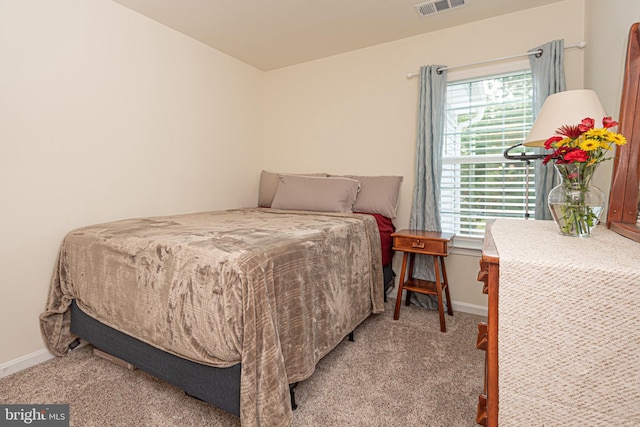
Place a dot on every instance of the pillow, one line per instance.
(378, 194)
(268, 185)
(306, 193)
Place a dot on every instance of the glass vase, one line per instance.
(575, 204)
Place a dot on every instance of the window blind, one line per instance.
(485, 116)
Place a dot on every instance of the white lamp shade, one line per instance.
(564, 108)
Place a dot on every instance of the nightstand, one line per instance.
(436, 244)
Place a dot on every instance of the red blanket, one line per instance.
(386, 227)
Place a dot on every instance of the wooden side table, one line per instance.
(436, 244)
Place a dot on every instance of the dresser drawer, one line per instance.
(422, 246)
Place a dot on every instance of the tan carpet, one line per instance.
(396, 373)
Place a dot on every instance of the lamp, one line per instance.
(562, 108)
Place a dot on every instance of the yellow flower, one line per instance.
(596, 133)
(617, 138)
(583, 143)
(589, 144)
(606, 145)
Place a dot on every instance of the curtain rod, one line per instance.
(537, 53)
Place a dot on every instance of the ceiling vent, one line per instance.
(437, 6)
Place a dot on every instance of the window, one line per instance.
(485, 116)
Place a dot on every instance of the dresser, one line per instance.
(562, 337)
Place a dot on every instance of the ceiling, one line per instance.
(270, 34)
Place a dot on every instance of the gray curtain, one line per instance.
(425, 213)
(547, 71)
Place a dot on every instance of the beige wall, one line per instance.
(608, 25)
(356, 112)
(105, 115)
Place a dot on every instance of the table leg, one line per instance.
(446, 287)
(411, 263)
(396, 313)
(443, 326)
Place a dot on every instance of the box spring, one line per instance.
(219, 387)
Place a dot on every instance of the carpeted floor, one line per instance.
(396, 373)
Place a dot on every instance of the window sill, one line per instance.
(469, 246)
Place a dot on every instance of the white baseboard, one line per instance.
(37, 357)
(33, 359)
(24, 362)
(465, 307)
(470, 308)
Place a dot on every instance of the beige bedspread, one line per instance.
(274, 290)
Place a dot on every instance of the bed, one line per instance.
(232, 306)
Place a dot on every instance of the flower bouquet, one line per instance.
(575, 204)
